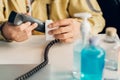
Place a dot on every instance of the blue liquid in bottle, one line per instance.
(92, 62)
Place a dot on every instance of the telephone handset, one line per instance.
(18, 19)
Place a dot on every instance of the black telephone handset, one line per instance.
(17, 19)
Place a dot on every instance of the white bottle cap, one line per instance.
(85, 27)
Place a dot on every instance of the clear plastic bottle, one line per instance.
(80, 43)
(111, 45)
(92, 61)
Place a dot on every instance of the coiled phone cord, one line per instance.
(40, 66)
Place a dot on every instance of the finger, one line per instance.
(32, 27)
(24, 26)
(64, 22)
(63, 36)
(69, 40)
(61, 30)
(29, 34)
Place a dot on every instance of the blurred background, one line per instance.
(111, 13)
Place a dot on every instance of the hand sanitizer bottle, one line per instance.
(92, 61)
(78, 45)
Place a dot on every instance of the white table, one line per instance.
(29, 53)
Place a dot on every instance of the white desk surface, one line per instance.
(18, 57)
(31, 52)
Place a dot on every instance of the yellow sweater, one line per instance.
(59, 9)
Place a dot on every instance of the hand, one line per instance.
(18, 33)
(68, 31)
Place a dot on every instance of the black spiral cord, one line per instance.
(40, 66)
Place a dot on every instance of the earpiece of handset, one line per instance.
(17, 19)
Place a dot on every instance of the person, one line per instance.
(61, 12)
(111, 13)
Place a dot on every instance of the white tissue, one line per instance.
(48, 36)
